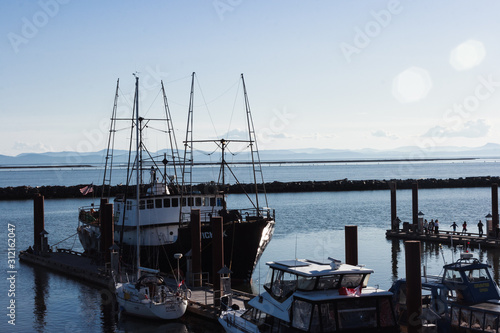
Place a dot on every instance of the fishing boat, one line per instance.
(166, 199)
(148, 295)
(308, 296)
(464, 299)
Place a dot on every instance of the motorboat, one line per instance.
(309, 296)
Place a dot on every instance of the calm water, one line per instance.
(308, 225)
(283, 173)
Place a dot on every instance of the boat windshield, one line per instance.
(477, 275)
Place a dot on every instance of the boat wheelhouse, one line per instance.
(464, 297)
(310, 296)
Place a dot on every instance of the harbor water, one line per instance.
(308, 225)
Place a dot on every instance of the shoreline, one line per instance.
(368, 160)
(64, 192)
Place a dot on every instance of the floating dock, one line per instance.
(83, 268)
(447, 237)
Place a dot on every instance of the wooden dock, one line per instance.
(447, 237)
(83, 268)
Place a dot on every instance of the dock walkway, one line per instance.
(447, 237)
(83, 268)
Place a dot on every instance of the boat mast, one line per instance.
(173, 141)
(109, 152)
(188, 152)
(256, 165)
(138, 163)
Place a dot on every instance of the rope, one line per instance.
(65, 239)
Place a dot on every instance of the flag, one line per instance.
(350, 291)
(87, 189)
(180, 284)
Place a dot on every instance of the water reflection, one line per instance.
(131, 324)
(41, 283)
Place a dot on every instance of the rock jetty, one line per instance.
(53, 192)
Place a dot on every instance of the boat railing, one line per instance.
(246, 214)
(471, 317)
(89, 215)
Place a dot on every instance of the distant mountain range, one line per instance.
(490, 150)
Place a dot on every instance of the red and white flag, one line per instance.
(87, 189)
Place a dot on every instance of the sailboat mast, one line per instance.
(138, 174)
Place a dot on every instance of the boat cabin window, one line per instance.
(351, 280)
(452, 276)
(212, 202)
(306, 283)
(354, 313)
(158, 203)
(150, 204)
(301, 315)
(175, 202)
(357, 313)
(280, 284)
(129, 205)
(142, 204)
(329, 282)
(476, 275)
(198, 201)
(166, 202)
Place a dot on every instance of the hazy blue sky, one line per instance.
(326, 74)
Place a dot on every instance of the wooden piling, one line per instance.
(196, 247)
(351, 244)
(107, 230)
(414, 196)
(217, 256)
(494, 207)
(394, 215)
(38, 221)
(413, 286)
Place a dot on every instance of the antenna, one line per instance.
(296, 247)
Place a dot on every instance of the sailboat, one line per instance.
(165, 203)
(148, 296)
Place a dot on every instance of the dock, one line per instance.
(83, 268)
(447, 237)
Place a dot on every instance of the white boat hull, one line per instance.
(173, 307)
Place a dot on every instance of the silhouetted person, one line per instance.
(480, 228)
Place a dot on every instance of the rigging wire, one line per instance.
(206, 106)
(234, 107)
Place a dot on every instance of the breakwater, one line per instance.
(54, 192)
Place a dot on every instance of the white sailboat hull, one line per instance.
(133, 303)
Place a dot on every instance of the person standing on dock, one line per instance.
(464, 228)
(436, 227)
(454, 226)
(426, 225)
(480, 228)
(431, 226)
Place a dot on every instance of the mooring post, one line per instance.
(494, 207)
(196, 247)
(217, 256)
(38, 221)
(414, 197)
(394, 215)
(107, 230)
(351, 244)
(413, 286)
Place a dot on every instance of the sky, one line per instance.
(319, 74)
